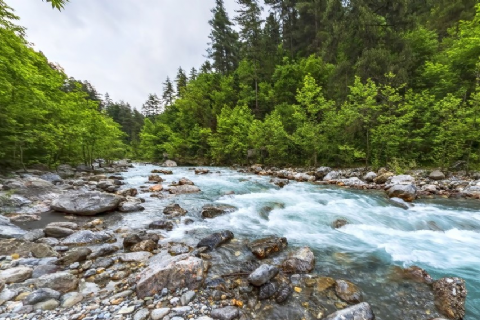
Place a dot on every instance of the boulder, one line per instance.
(33, 235)
(131, 192)
(301, 177)
(46, 305)
(351, 182)
(267, 290)
(225, 313)
(169, 163)
(347, 291)
(437, 175)
(102, 251)
(300, 261)
(61, 281)
(26, 248)
(201, 171)
(332, 175)
(42, 270)
(398, 202)
(370, 176)
(216, 239)
(183, 189)
(41, 295)
(339, 223)
(450, 295)
(144, 246)
(86, 204)
(51, 177)
(131, 205)
(321, 172)
(403, 179)
(174, 210)
(76, 255)
(262, 274)
(155, 178)
(65, 171)
(382, 178)
(156, 188)
(361, 311)
(88, 237)
(161, 224)
(70, 299)
(212, 211)
(139, 256)
(33, 188)
(183, 271)
(185, 181)
(262, 248)
(15, 275)
(405, 192)
(9, 230)
(60, 229)
(280, 182)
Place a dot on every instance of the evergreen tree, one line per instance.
(152, 106)
(181, 82)
(193, 74)
(223, 50)
(168, 95)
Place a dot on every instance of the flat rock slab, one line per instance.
(87, 237)
(183, 189)
(25, 248)
(61, 281)
(15, 275)
(183, 271)
(86, 204)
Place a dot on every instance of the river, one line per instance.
(442, 236)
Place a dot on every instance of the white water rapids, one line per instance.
(442, 236)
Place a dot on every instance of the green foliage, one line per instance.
(45, 116)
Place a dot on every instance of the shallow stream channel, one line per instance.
(441, 236)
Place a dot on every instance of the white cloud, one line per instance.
(124, 47)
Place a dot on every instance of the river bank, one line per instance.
(121, 257)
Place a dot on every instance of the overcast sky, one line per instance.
(124, 47)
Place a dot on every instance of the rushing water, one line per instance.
(442, 236)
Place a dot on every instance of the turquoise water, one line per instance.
(441, 236)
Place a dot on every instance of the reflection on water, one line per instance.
(441, 236)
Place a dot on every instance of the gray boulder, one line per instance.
(41, 295)
(51, 177)
(436, 175)
(65, 171)
(182, 189)
(88, 237)
(171, 272)
(332, 175)
(86, 204)
(405, 192)
(15, 275)
(61, 281)
(370, 176)
(174, 210)
(9, 230)
(403, 179)
(398, 202)
(226, 313)
(262, 274)
(300, 261)
(60, 229)
(169, 163)
(361, 311)
(321, 172)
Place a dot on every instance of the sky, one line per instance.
(124, 47)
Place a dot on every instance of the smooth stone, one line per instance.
(33, 235)
(15, 275)
(226, 313)
(214, 240)
(158, 314)
(187, 297)
(262, 248)
(70, 299)
(41, 295)
(361, 311)
(126, 310)
(46, 305)
(262, 274)
(76, 255)
(87, 237)
(62, 281)
(141, 314)
(86, 203)
(44, 270)
(180, 311)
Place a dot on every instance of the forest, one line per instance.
(286, 82)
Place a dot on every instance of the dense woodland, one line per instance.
(287, 82)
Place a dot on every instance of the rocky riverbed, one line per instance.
(159, 243)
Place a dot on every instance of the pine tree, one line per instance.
(181, 82)
(152, 106)
(168, 95)
(193, 74)
(223, 48)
